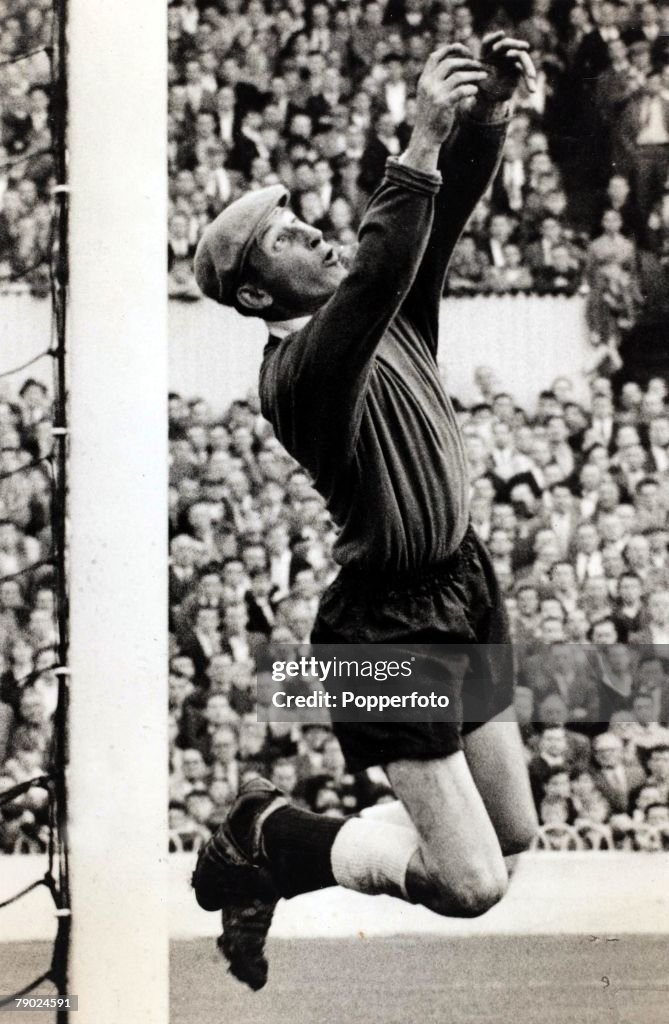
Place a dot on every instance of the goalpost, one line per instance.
(117, 341)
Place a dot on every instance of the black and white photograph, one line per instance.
(334, 511)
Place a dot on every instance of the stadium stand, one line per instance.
(26, 163)
(573, 505)
(317, 95)
(571, 498)
(577, 527)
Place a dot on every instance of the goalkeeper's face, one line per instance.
(291, 270)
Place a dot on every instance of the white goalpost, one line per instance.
(117, 342)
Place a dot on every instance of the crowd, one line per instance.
(26, 163)
(317, 95)
(571, 498)
(572, 501)
(28, 633)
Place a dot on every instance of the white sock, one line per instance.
(373, 856)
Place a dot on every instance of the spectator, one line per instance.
(645, 127)
(657, 769)
(469, 267)
(614, 779)
(609, 248)
(381, 145)
(564, 676)
(551, 757)
(511, 276)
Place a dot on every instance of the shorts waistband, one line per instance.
(370, 578)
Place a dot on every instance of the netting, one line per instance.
(53, 781)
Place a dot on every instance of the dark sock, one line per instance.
(298, 845)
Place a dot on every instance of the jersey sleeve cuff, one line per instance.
(427, 182)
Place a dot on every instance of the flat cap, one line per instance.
(225, 243)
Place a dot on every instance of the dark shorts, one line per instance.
(456, 602)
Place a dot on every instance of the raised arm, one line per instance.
(468, 162)
(328, 363)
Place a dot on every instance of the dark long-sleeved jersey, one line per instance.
(355, 395)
